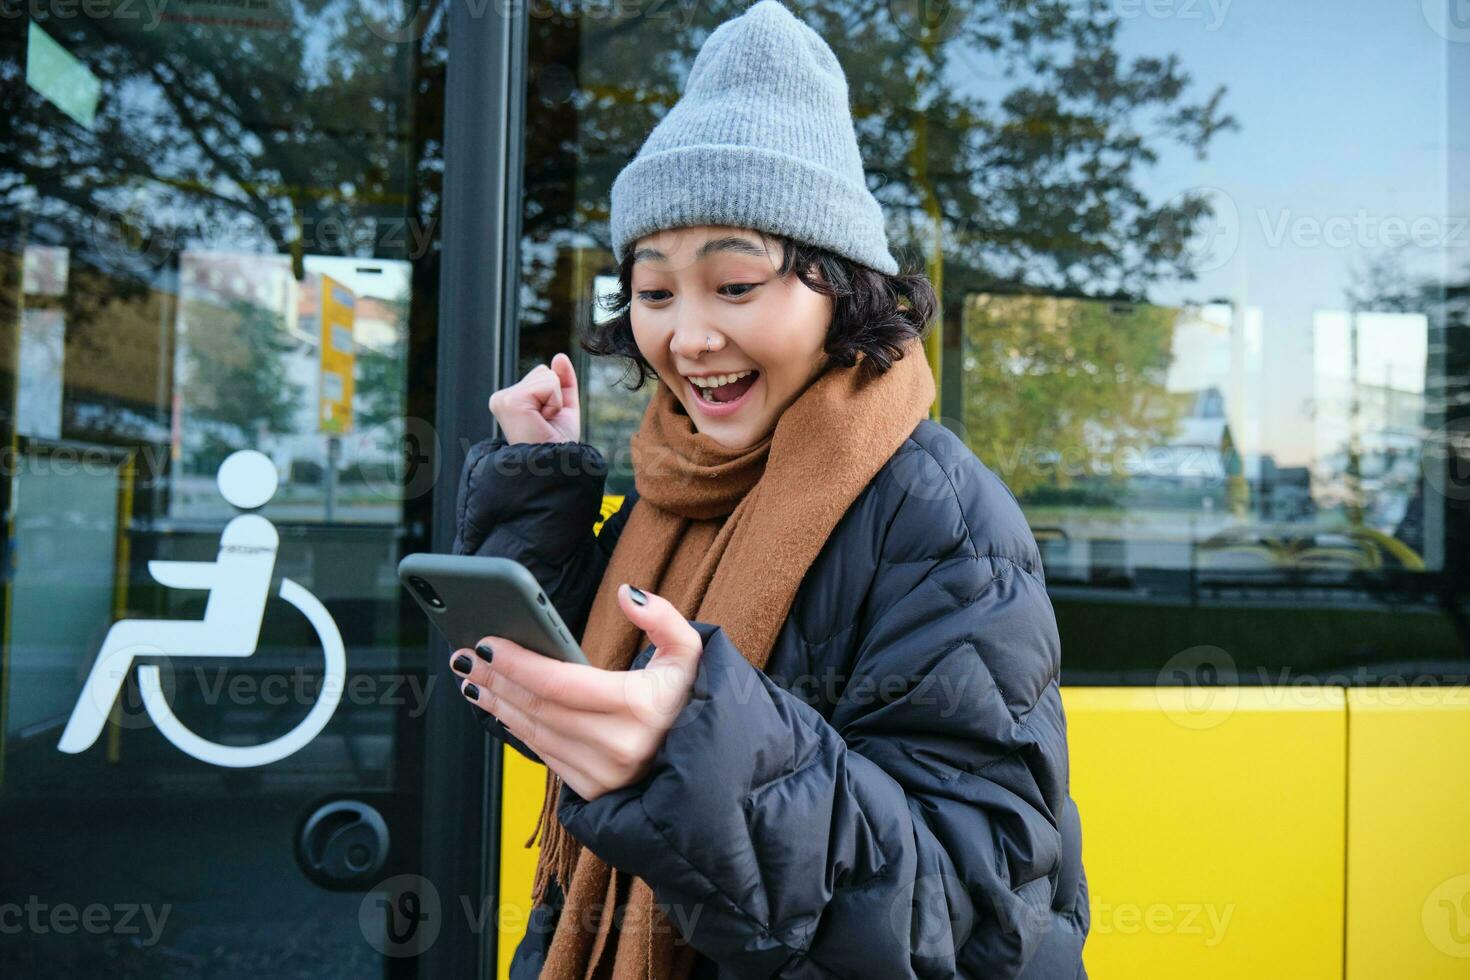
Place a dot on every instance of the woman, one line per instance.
(821, 735)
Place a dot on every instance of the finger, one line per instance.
(553, 750)
(567, 375)
(575, 723)
(545, 387)
(670, 632)
(469, 667)
(579, 686)
(529, 729)
(659, 690)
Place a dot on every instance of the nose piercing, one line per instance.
(707, 342)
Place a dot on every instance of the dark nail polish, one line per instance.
(462, 664)
(471, 691)
(483, 649)
(636, 594)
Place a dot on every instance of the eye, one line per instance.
(749, 287)
(653, 295)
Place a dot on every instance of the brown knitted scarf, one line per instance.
(727, 536)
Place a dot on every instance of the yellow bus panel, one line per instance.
(1408, 867)
(1212, 825)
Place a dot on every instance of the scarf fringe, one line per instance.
(559, 849)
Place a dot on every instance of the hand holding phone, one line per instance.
(599, 730)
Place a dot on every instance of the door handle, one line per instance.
(343, 844)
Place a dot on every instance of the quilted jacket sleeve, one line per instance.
(911, 832)
(537, 503)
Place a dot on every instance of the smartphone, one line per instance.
(468, 597)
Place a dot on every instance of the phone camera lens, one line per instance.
(427, 591)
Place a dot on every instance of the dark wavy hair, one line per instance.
(874, 313)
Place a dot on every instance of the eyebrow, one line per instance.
(729, 243)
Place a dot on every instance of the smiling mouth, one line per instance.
(727, 392)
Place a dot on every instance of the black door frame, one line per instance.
(477, 354)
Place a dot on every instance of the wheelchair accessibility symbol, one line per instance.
(238, 582)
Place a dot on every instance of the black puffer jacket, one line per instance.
(890, 799)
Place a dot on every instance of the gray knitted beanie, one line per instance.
(762, 138)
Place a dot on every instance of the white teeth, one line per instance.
(715, 381)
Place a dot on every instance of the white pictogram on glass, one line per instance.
(238, 582)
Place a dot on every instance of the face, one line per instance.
(716, 286)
